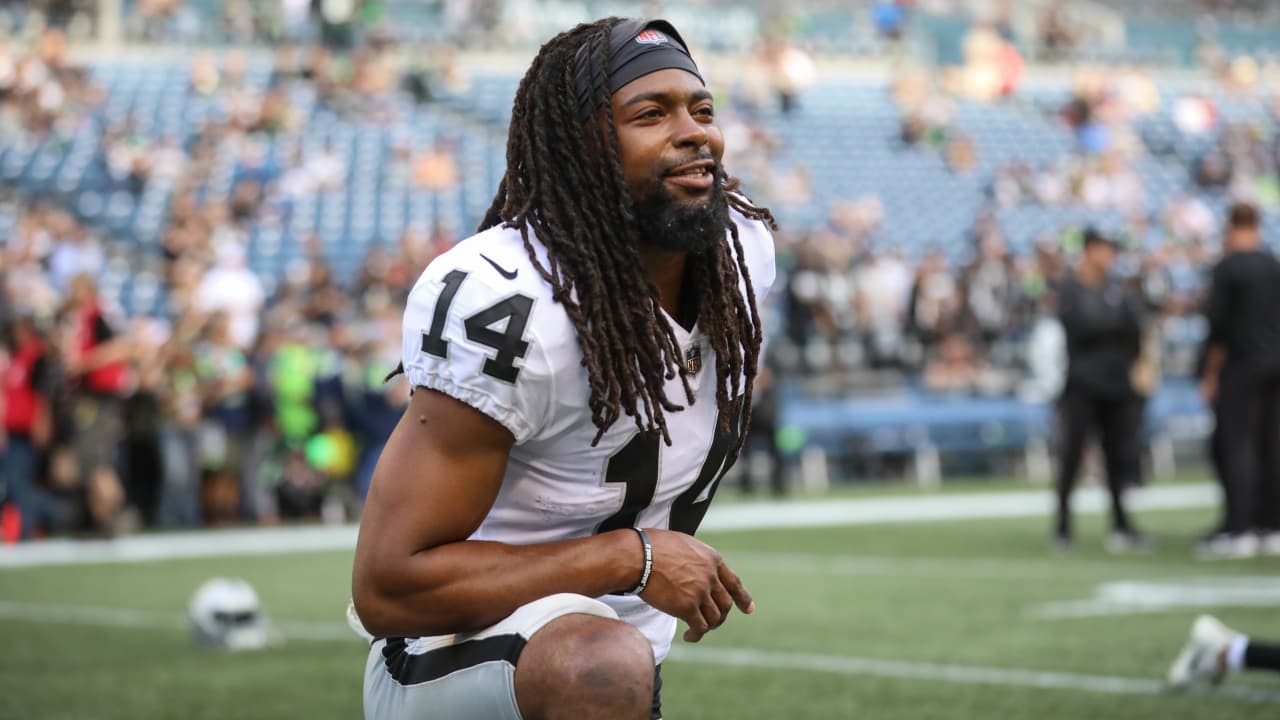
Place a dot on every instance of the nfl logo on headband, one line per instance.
(651, 37)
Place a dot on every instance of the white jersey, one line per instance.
(482, 327)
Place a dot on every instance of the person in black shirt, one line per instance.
(1242, 378)
(1103, 324)
(1218, 535)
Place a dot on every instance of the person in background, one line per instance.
(1103, 325)
(225, 380)
(98, 359)
(230, 287)
(379, 406)
(955, 368)
(762, 434)
(142, 463)
(1046, 352)
(1241, 376)
(179, 504)
(27, 425)
(1217, 535)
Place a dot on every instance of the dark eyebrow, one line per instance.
(666, 98)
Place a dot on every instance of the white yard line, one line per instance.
(45, 613)
(180, 545)
(703, 655)
(937, 672)
(749, 516)
(936, 508)
(92, 616)
(1179, 594)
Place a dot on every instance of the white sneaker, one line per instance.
(1229, 547)
(1204, 655)
(1271, 543)
(1247, 545)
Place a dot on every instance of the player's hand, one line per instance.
(692, 582)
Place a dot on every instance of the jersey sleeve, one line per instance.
(476, 343)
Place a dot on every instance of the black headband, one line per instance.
(636, 48)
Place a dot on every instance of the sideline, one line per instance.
(735, 517)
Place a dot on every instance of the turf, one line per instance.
(957, 593)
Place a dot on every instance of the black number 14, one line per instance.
(637, 465)
(509, 342)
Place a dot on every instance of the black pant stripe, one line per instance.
(656, 712)
(410, 669)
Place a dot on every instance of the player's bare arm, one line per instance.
(417, 574)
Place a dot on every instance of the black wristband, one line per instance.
(648, 562)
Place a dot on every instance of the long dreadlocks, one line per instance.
(564, 181)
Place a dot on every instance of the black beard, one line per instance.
(668, 224)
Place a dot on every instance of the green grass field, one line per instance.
(930, 620)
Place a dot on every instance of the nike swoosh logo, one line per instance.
(508, 274)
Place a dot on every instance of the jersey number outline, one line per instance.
(638, 465)
(509, 342)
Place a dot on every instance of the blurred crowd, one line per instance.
(335, 24)
(238, 406)
(241, 401)
(980, 317)
(984, 324)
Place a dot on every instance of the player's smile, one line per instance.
(696, 176)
